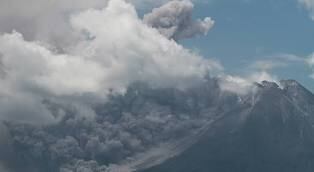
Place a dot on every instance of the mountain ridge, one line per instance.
(277, 132)
(168, 129)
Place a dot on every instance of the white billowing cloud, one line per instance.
(33, 65)
(118, 49)
(174, 20)
(311, 60)
(309, 5)
(44, 20)
(33, 73)
(130, 50)
(243, 85)
(47, 20)
(148, 4)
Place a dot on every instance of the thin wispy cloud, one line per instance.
(309, 5)
(280, 60)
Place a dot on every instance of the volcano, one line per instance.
(270, 130)
(199, 129)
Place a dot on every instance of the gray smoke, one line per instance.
(174, 20)
(107, 58)
(72, 110)
(123, 127)
(81, 109)
(48, 21)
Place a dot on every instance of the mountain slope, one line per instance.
(198, 129)
(123, 130)
(273, 134)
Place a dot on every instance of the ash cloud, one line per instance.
(108, 59)
(48, 21)
(64, 108)
(174, 20)
(105, 88)
(126, 125)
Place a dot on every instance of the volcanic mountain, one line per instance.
(271, 130)
(198, 129)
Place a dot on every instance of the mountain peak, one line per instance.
(269, 84)
(295, 89)
(273, 134)
(290, 83)
(266, 84)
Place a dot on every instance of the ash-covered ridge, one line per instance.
(275, 133)
(166, 129)
(125, 126)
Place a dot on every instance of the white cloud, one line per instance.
(133, 51)
(154, 3)
(260, 70)
(43, 19)
(148, 3)
(309, 5)
(274, 61)
(244, 85)
(266, 65)
(310, 62)
(47, 20)
(118, 49)
(29, 63)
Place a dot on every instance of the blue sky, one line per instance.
(247, 31)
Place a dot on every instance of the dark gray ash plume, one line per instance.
(174, 20)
